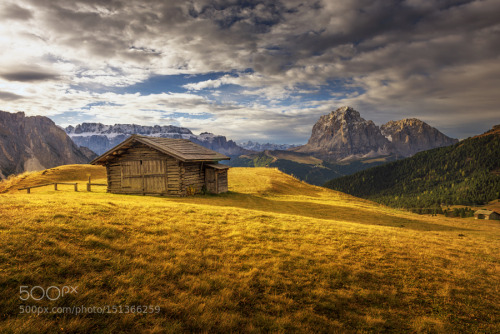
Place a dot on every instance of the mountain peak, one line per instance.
(411, 135)
(346, 112)
(345, 134)
(407, 122)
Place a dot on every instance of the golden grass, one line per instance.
(273, 254)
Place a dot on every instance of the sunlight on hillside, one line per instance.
(273, 254)
(66, 173)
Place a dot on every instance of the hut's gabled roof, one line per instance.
(483, 212)
(182, 149)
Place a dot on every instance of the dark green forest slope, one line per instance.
(467, 173)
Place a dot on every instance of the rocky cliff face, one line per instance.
(411, 135)
(35, 143)
(100, 138)
(344, 134)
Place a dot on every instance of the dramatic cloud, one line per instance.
(5, 96)
(28, 76)
(14, 12)
(255, 70)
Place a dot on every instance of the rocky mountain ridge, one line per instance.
(409, 136)
(35, 143)
(260, 147)
(100, 137)
(345, 135)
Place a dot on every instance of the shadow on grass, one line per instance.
(315, 210)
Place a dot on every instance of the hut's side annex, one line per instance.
(163, 166)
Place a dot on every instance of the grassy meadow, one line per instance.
(272, 255)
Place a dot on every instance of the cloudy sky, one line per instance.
(260, 70)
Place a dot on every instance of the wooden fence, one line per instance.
(89, 185)
(28, 189)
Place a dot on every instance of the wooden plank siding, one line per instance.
(173, 177)
(222, 181)
(210, 180)
(194, 175)
(141, 169)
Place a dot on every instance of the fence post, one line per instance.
(55, 186)
(28, 190)
(89, 186)
(76, 186)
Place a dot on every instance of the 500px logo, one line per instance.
(51, 293)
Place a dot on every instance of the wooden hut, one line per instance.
(163, 166)
(487, 214)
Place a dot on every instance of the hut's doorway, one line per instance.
(145, 176)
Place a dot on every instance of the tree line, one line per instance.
(467, 173)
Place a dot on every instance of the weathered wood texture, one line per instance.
(222, 181)
(144, 170)
(210, 180)
(216, 180)
(193, 176)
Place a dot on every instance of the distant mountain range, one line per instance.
(258, 147)
(341, 143)
(100, 138)
(467, 173)
(345, 135)
(35, 143)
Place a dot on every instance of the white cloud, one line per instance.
(226, 79)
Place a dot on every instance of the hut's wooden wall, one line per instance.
(114, 177)
(193, 175)
(143, 170)
(173, 177)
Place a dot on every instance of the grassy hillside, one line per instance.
(467, 173)
(273, 254)
(305, 167)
